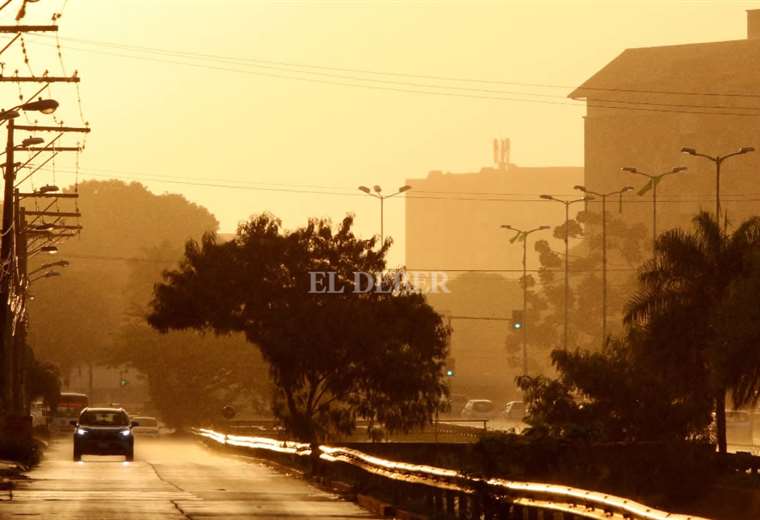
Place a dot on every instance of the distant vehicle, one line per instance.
(457, 402)
(739, 427)
(70, 405)
(514, 411)
(479, 409)
(148, 426)
(39, 413)
(104, 431)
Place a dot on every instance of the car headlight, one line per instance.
(126, 433)
(81, 431)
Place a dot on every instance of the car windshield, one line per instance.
(482, 406)
(146, 421)
(103, 418)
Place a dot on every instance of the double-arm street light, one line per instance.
(718, 161)
(567, 204)
(522, 235)
(378, 194)
(604, 196)
(654, 180)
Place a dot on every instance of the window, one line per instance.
(104, 418)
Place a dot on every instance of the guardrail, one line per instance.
(450, 493)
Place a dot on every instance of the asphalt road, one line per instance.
(169, 479)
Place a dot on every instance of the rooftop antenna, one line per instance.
(501, 153)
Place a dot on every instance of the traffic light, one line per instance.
(123, 381)
(450, 367)
(517, 320)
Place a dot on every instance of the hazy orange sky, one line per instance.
(239, 117)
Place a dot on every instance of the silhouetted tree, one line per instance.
(190, 376)
(43, 381)
(545, 318)
(74, 317)
(685, 308)
(333, 357)
(619, 393)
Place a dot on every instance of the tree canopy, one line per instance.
(333, 358)
(73, 317)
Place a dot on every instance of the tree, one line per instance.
(190, 376)
(619, 393)
(73, 317)
(546, 290)
(43, 380)
(684, 310)
(333, 357)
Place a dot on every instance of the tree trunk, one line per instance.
(89, 377)
(720, 421)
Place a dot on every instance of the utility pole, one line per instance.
(522, 235)
(6, 269)
(21, 405)
(604, 196)
(11, 364)
(567, 204)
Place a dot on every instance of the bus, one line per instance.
(69, 407)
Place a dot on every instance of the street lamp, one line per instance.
(718, 160)
(604, 196)
(378, 194)
(49, 274)
(51, 250)
(567, 204)
(522, 235)
(61, 263)
(654, 180)
(31, 141)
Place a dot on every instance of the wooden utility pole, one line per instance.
(16, 424)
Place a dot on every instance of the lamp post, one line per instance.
(378, 194)
(522, 235)
(567, 204)
(654, 180)
(604, 196)
(718, 161)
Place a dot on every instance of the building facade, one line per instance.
(649, 103)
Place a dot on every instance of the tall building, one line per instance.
(649, 103)
(453, 224)
(453, 219)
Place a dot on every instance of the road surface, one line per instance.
(169, 479)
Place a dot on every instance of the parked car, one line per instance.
(103, 431)
(148, 426)
(514, 411)
(479, 409)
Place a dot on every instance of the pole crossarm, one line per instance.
(51, 149)
(44, 128)
(27, 28)
(54, 213)
(39, 79)
(49, 196)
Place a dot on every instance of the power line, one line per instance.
(232, 59)
(488, 197)
(444, 90)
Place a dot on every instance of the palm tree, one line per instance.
(683, 309)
